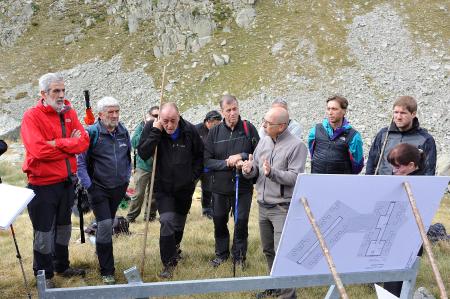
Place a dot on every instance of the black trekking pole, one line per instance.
(80, 212)
(27, 288)
(236, 206)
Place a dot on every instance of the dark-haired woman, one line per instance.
(406, 159)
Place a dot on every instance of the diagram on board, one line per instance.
(379, 228)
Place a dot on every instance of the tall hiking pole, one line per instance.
(236, 206)
(383, 147)
(152, 181)
(27, 287)
(426, 242)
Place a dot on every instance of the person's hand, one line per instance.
(266, 167)
(52, 143)
(247, 165)
(157, 124)
(75, 134)
(233, 160)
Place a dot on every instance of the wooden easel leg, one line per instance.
(339, 285)
(426, 243)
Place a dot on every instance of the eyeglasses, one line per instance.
(154, 115)
(266, 122)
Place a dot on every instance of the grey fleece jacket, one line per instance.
(287, 157)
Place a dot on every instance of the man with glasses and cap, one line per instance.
(212, 119)
(335, 146)
(142, 174)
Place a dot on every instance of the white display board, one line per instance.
(13, 200)
(367, 223)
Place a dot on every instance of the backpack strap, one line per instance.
(246, 128)
(94, 132)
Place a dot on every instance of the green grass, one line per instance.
(198, 249)
(12, 174)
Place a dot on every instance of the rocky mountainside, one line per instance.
(370, 52)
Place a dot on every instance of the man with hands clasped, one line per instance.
(228, 144)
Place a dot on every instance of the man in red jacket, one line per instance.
(52, 135)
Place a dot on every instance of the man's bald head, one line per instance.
(281, 114)
(276, 121)
(170, 106)
(169, 116)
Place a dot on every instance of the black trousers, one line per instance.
(50, 212)
(206, 193)
(173, 208)
(104, 205)
(222, 204)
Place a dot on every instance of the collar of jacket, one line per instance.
(393, 127)
(238, 124)
(282, 136)
(49, 109)
(334, 134)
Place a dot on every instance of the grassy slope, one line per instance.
(252, 67)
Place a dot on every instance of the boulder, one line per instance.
(218, 60)
(245, 17)
(423, 293)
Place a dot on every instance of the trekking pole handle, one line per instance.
(87, 99)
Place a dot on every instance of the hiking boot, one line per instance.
(217, 261)
(167, 272)
(150, 219)
(49, 283)
(108, 279)
(267, 293)
(70, 272)
(178, 255)
(242, 263)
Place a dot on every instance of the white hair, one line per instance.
(107, 102)
(47, 79)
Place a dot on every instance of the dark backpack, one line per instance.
(437, 232)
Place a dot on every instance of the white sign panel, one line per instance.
(13, 200)
(367, 223)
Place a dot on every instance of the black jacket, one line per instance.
(179, 162)
(416, 136)
(202, 131)
(223, 142)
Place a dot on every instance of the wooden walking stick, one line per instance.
(383, 147)
(331, 266)
(426, 243)
(152, 181)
